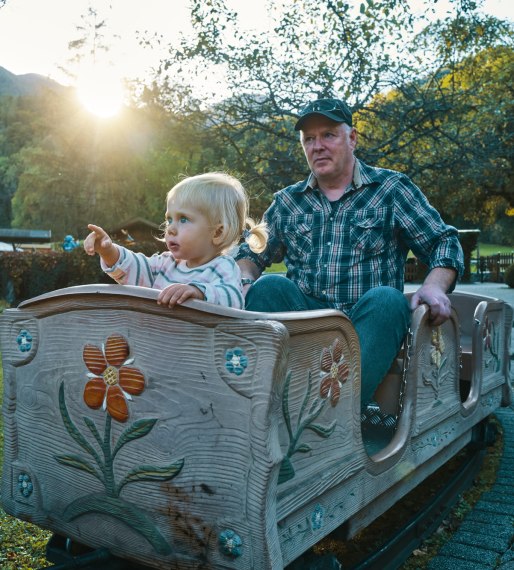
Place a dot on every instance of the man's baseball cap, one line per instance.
(334, 109)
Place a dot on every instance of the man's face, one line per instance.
(328, 147)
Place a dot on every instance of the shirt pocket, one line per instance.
(368, 230)
(298, 235)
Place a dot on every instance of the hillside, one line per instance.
(27, 84)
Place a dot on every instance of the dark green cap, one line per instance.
(334, 109)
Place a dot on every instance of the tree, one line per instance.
(326, 48)
(90, 170)
(452, 131)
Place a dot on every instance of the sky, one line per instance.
(34, 34)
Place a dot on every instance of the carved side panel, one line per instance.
(494, 352)
(148, 435)
(436, 366)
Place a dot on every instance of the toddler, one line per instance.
(206, 215)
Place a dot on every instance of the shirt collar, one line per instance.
(357, 180)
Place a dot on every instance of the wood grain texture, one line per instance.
(233, 455)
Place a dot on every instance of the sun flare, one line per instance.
(100, 91)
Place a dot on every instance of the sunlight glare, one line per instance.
(100, 91)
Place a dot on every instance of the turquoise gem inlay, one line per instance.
(25, 484)
(236, 360)
(317, 517)
(24, 340)
(230, 543)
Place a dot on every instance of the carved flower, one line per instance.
(317, 517)
(112, 381)
(336, 372)
(25, 485)
(230, 543)
(236, 360)
(488, 339)
(24, 340)
(437, 342)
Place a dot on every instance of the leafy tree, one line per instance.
(452, 131)
(89, 170)
(326, 48)
(21, 123)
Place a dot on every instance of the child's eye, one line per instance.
(183, 219)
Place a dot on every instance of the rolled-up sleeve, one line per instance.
(423, 230)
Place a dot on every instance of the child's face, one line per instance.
(189, 236)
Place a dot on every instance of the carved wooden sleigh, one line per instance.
(206, 437)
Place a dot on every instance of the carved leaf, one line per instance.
(92, 427)
(152, 473)
(138, 429)
(323, 431)
(77, 463)
(286, 471)
(285, 405)
(71, 428)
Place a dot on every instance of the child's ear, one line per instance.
(217, 234)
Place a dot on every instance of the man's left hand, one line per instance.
(433, 293)
(437, 301)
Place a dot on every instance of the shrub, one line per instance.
(24, 275)
(509, 275)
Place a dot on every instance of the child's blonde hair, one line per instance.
(222, 199)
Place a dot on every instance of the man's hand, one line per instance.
(177, 293)
(433, 293)
(248, 271)
(98, 241)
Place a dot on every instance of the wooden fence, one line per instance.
(492, 267)
(485, 268)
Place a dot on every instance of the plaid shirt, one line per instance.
(337, 251)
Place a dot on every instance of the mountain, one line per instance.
(27, 84)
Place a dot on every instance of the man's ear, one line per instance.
(353, 138)
(217, 234)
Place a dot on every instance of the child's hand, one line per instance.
(177, 293)
(98, 241)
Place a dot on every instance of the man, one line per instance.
(344, 234)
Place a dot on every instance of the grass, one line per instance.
(491, 249)
(484, 248)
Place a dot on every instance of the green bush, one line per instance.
(509, 275)
(24, 275)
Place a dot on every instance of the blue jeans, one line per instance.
(381, 318)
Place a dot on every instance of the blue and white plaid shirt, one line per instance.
(336, 251)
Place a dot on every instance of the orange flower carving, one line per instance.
(112, 381)
(336, 372)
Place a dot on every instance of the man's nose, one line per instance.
(317, 143)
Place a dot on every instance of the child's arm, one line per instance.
(98, 241)
(177, 293)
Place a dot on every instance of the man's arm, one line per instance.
(433, 293)
(249, 270)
